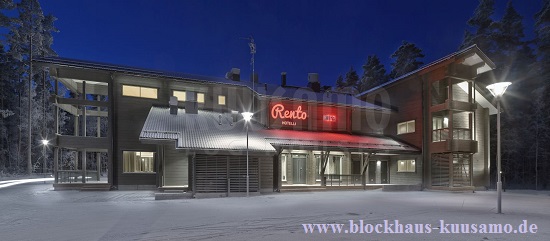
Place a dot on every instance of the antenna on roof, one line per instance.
(252, 46)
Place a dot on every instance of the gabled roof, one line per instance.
(476, 57)
(263, 89)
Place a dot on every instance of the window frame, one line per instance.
(203, 97)
(284, 159)
(181, 91)
(406, 124)
(140, 95)
(224, 100)
(152, 164)
(409, 166)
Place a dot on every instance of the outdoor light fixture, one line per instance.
(45, 142)
(498, 89)
(247, 116)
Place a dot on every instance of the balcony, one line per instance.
(454, 105)
(459, 141)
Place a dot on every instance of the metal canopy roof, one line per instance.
(215, 131)
(336, 141)
(207, 131)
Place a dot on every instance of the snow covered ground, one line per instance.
(36, 212)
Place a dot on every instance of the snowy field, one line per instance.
(36, 212)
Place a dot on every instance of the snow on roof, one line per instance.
(217, 131)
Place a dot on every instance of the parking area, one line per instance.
(36, 212)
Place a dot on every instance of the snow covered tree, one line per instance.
(406, 59)
(29, 36)
(482, 27)
(374, 74)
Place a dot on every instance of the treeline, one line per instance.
(526, 105)
(24, 90)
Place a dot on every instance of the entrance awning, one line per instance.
(336, 141)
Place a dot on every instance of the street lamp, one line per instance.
(44, 144)
(498, 89)
(247, 116)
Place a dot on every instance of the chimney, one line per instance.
(173, 105)
(191, 105)
(234, 116)
(313, 82)
(283, 79)
(234, 74)
(312, 77)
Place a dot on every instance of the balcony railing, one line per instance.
(458, 134)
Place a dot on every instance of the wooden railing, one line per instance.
(458, 134)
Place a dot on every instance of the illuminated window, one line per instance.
(200, 98)
(179, 94)
(139, 91)
(221, 99)
(138, 162)
(283, 167)
(334, 165)
(406, 166)
(406, 127)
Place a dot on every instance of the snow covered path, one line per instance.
(35, 212)
(14, 182)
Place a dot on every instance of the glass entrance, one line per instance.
(299, 168)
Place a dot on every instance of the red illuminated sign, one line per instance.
(329, 118)
(287, 114)
(278, 112)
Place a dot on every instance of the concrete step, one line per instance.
(96, 187)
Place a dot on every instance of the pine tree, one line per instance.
(483, 27)
(30, 36)
(352, 78)
(374, 74)
(406, 59)
(340, 84)
(542, 31)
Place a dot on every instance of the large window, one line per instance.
(139, 91)
(138, 162)
(334, 165)
(406, 166)
(406, 127)
(179, 94)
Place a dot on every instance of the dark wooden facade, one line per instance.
(419, 97)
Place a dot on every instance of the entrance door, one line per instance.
(378, 172)
(299, 169)
(372, 172)
(384, 172)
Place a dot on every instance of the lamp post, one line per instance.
(44, 144)
(498, 89)
(247, 116)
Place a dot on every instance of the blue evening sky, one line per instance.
(297, 37)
